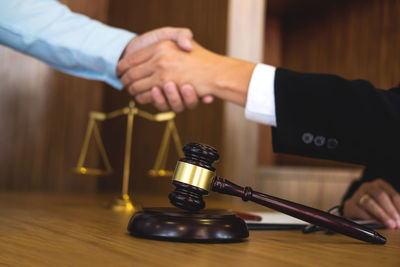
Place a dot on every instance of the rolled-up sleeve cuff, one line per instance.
(115, 51)
(98, 60)
(260, 104)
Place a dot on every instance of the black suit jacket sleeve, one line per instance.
(325, 116)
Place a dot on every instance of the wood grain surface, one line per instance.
(76, 230)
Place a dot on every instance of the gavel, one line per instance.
(194, 176)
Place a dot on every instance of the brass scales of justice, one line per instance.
(124, 203)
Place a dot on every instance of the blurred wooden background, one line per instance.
(43, 113)
(207, 20)
(43, 117)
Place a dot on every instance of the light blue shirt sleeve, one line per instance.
(69, 42)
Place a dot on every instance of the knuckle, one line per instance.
(140, 99)
(163, 46)
(396, 198)
(131, 75)
(160, 104)
(164, 78)
(173, 100)
(131, 60)
(367, 185)
(381, 195)
(368, 201)
(134, 89)
(131, 90)
(125, 83)
(160, 101)
(187, 32)
(163, 61)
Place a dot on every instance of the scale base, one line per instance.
(124, 203)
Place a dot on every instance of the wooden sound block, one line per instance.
(207, 226)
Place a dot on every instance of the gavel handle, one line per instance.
(308, 214)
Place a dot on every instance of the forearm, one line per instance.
(232, 80)
(67, 41)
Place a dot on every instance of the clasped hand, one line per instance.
(154, 74)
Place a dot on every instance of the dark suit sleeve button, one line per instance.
(319, 140)
(307, 138)
(332, 143)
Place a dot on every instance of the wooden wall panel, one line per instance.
(207, 19)
(354, 39)
(43, 116)
(272, 56)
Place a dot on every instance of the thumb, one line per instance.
(208, 99)
(184, 39)
(182, 36)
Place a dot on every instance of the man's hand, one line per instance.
(183, 38)
(376, 200)
(208, 72)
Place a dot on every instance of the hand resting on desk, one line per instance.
(375, 200)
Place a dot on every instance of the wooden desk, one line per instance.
(76, 230)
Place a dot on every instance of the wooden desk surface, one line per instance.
(76, 230)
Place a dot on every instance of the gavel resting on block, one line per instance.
(194, 176)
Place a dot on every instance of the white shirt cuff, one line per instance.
(260, 104)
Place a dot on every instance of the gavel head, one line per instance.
(193, 176)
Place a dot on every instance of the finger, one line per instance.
(208, 99)
(385, 202)
(159, 100)
(173, 96)
(396, 201)
(352, 211)
(184, 39)
(189, 96)
(394, 195)
(182, 36)
(136, 73)
(144, 98)
(386, 186)
(377, 212)
(142, 85)
(133, 59)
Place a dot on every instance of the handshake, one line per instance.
(167, 68)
